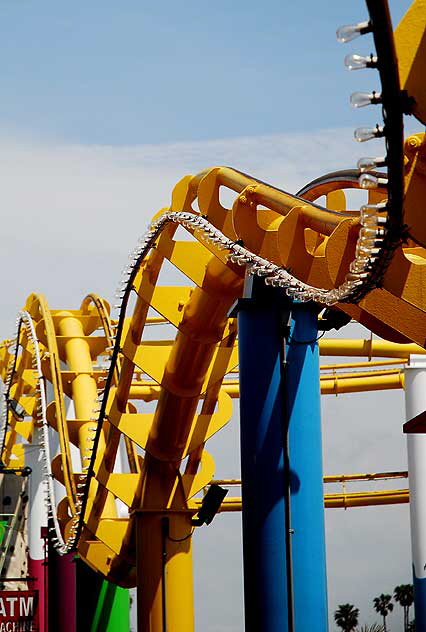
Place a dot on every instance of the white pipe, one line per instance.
(37, 496)
(415, 403)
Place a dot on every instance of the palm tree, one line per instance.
(346, 617)
(404, 595)
(383, 605)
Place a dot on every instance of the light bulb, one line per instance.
(355, 62)
(368, 181)
(368, 232)
(357, 267)
(350, 31)
(374, 208)
(362, 134)
(369, 214)
(361, 99)
(364, 164)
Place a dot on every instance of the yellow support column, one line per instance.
(84, 393)
(164, 572)
(83, 385)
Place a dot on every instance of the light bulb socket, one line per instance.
(363, 134)
(348, 32)
(368, 181)
(365, 164)
(361, 99)
(356, 62)
(375, 208)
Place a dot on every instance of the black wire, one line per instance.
(169, 537)
(305, 342)
(287, 472)
(108, 383)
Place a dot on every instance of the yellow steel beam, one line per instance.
(366, 499)
(336, 384)
(340, 478)
(337, 501)
(410, 44)
(361, 365)
(343, 499)
(322, 256)
(83, 385)
(415, 191)
(330, 385)
(376, 476)
(368, 348)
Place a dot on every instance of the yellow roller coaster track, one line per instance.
(146, 399)
(183, 372)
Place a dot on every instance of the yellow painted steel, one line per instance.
(38, 309)
(83, 385)
(170, 387)
(341, 384)
(329, 385)
(375, 476)
(77, 355)
(415, 190)
(361, 365)
(366, 499)
(368, 348)
(184, 373)
(340, 501)
(340, 478)
(152, 487)
(166, 601)
(410, 44)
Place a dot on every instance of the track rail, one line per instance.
(210, 255)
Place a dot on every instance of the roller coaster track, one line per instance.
(146, 399)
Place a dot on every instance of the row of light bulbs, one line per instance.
(354, 61)
(373, 217)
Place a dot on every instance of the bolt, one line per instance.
(413, 142)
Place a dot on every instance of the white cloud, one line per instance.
(71, 213)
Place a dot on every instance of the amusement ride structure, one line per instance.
(106, 415)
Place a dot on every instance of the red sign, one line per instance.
(18, 611)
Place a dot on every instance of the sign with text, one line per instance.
(19, 611)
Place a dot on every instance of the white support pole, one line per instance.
(37, 518)
(415, 403)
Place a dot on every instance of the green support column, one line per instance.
(101, 606)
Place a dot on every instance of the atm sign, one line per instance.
(18, 611)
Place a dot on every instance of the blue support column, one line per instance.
(281, 465)
(307, 495)
(262, 410)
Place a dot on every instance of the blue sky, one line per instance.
(106, 72)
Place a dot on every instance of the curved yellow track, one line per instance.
(146, 399)
(152, 460)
